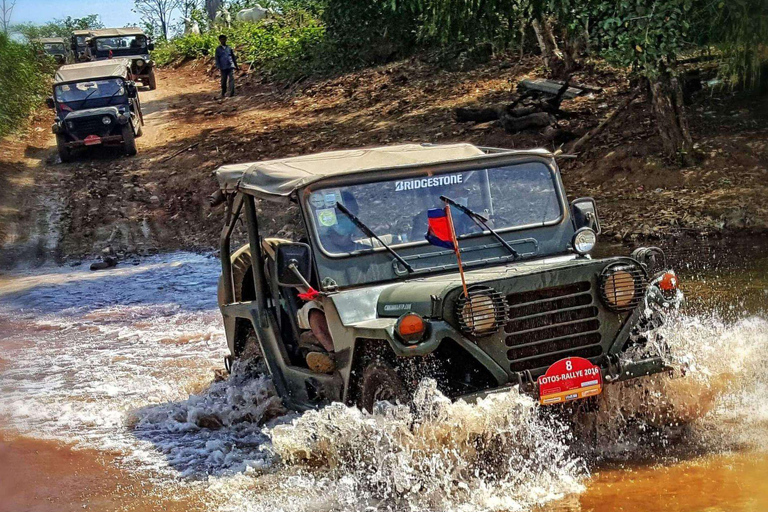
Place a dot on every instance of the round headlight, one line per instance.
(584, 240)
(623, 285)
(106, 120)
(482, 313)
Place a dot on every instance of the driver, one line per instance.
(316, 342)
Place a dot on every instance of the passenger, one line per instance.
(462, 224)
(316, 342)
(226, 61)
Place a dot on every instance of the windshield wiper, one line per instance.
(113, 95)
(481, 222)
(82, 103)
(369, 233)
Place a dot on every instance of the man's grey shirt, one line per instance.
(225, 58)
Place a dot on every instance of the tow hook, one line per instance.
(613, 368)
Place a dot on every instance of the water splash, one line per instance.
(123, 361)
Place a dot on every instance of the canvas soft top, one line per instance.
(284, 176)
(117, 32)
(93, 70)
(51, 40)
(82, 32)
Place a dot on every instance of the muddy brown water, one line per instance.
(106, 386)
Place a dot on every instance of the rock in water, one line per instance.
(105, 263)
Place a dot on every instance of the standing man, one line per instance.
(227, 63)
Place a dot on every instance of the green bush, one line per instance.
(284, 46)
(24, 82)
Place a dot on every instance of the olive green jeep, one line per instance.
(126, 43)
(96, 104)
(533, 308)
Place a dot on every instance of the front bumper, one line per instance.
(613, 371)
(109, 140)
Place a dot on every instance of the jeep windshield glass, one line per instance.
(54, 48)
(510, 197)
(89, 91)
(131, 44)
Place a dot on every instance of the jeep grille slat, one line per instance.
(545, 325)
(85, 126)
(543, 361)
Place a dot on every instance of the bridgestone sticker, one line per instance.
(434, 181)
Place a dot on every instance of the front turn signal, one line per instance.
(410, 328)
(669, 282)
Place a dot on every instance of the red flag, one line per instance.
(439, 231)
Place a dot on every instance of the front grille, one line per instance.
(547, 325)
(85, 126)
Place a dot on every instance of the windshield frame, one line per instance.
(429, 171)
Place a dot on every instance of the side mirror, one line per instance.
(584, 211)
(131, 90)
(151, 47)
(49, 102)
(293, 264)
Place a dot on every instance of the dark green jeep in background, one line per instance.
(79, 44)
(539, 312)
(96, 103)
(55, 47)
(127, 43)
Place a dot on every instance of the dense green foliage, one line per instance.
(24, 81)
(648, 37)
(284, 46)
(58, 28)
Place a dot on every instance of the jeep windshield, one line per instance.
(125, 45)
(77, 95)
(512, 197)
(54, 48)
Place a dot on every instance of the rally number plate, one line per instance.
(569, 379)
(92, 140)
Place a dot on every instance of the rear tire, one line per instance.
(65, 153)
(129, 140)
(381, 383)
(152, 82)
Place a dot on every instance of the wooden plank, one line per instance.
(550, 87)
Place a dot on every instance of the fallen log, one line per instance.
(476, 115)
(516, 124)
(600, 127)
(177, 153)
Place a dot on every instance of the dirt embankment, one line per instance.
(157, 200)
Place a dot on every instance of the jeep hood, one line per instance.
(92, 112)
(392, 300)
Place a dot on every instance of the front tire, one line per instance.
(152, 80)
(381, 383)
(129, 140)
(65, 153)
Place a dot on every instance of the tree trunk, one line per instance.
(212, 7)
(548, 46)
(669, 111)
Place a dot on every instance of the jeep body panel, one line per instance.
(554, 301)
